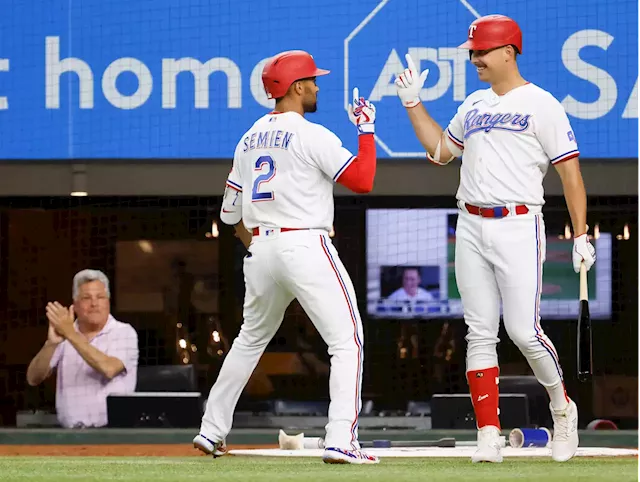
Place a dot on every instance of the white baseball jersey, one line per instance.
(507, 144)
(285, 167)
(282, 177)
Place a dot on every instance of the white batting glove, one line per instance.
(362, 113)
(409, 83)
(583, 250)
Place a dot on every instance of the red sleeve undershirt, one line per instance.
(358, 177)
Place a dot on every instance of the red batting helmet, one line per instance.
(285, 68)
(493, 31)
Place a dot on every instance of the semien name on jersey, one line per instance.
(268, 140)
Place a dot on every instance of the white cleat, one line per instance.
(209, 447)
(334, 455)
(565, 432)
(489, 445)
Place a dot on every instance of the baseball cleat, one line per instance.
(209, 447)
(489, 445)
(565, 432)
(335, 455)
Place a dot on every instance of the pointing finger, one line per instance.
(410, 63)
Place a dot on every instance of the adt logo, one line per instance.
(592, 72)
(374, 55)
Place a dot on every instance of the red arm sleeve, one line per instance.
(358, 177)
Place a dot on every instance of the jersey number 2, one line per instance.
(256, 195)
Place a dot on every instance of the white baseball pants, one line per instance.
(282, 266)
(501, 260)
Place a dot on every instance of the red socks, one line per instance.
(483, 386)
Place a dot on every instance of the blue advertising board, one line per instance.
(170, 79)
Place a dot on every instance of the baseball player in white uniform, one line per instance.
(279, 197)
(506, 135)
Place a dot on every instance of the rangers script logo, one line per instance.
(475, 121)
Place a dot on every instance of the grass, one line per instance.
(262, 469)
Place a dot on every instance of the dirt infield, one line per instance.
(116, 450)
(126, 450)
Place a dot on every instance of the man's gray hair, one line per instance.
(87, 275)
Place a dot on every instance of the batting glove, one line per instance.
(409, 83)
(583, 250)
(362, 113)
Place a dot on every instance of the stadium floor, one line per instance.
(157, 455)
(178, 441)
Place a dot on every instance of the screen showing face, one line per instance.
(410, 268)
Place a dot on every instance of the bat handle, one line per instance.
(584, 290)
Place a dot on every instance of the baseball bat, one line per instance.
(443, 442)
(585, 360)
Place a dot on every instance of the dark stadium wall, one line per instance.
(162, 178)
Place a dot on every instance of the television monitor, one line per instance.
(412, 250)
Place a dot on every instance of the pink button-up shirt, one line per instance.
(81, 391)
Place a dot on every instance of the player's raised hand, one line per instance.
(583, 250)
(409, 83)
(362, 113)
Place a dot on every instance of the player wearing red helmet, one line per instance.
(493, 43)
(509, 134)
(279, 197)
